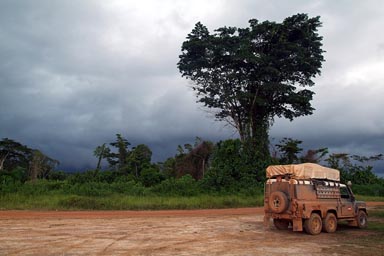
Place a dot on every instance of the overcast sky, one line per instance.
(75, 73)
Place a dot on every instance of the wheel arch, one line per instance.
(318, 212)
(363, 209)
(330, 211)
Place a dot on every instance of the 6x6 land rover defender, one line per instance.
(310, 197)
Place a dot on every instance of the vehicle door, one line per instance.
(346, 203)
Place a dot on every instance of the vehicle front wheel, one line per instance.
(313, 225)
(281, 224)
(330, 223)
(362, 221)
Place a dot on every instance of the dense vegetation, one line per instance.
(203, 175)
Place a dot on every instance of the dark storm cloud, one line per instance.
(73, 74)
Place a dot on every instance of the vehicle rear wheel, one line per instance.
(362, 221)
(313, 225)
(278, 202)
(330, 223)
(281, 224)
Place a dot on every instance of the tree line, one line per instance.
(218, 166)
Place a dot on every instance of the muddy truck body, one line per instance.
(310, 197)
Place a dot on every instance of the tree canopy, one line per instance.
(248, 76)
(31, 162)
(13, 153)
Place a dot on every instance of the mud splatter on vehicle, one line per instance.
(310, 197)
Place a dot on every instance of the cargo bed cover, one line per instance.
(304, 171)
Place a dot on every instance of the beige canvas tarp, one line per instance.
(304, 171)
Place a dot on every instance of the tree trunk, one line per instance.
(259, 139)
(98, 163)
(203, 167)
(2, 160)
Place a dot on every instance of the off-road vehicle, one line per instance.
(310, 197)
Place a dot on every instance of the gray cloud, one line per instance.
(72, 74)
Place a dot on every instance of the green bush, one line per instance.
(8, 184)
(233, 167)
(369, 189)
(57, 175)
(131, 188)
(90, 189)
(185, 186)
(16, 176)
(150, 177)
(41, 187)
(81, 202)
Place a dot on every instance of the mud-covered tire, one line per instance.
(313, 225)
(362, 220)
(281, 224)
(330, 223)
(278, 202)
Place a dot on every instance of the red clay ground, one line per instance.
(196, 232)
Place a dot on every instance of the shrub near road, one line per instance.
(170, 194)
(184, 193)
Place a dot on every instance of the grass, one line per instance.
(376, 226)
(378, 212)
(377, 219)
(370, 198)
(124, 202)
(59, 200)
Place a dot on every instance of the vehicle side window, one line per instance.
(344, 192)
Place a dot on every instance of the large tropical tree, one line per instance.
(119, 159)
(248, 76)
(138, 158)
(13, 154)
(101, 152)
(40, 165)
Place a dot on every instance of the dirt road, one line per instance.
(199, 232)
